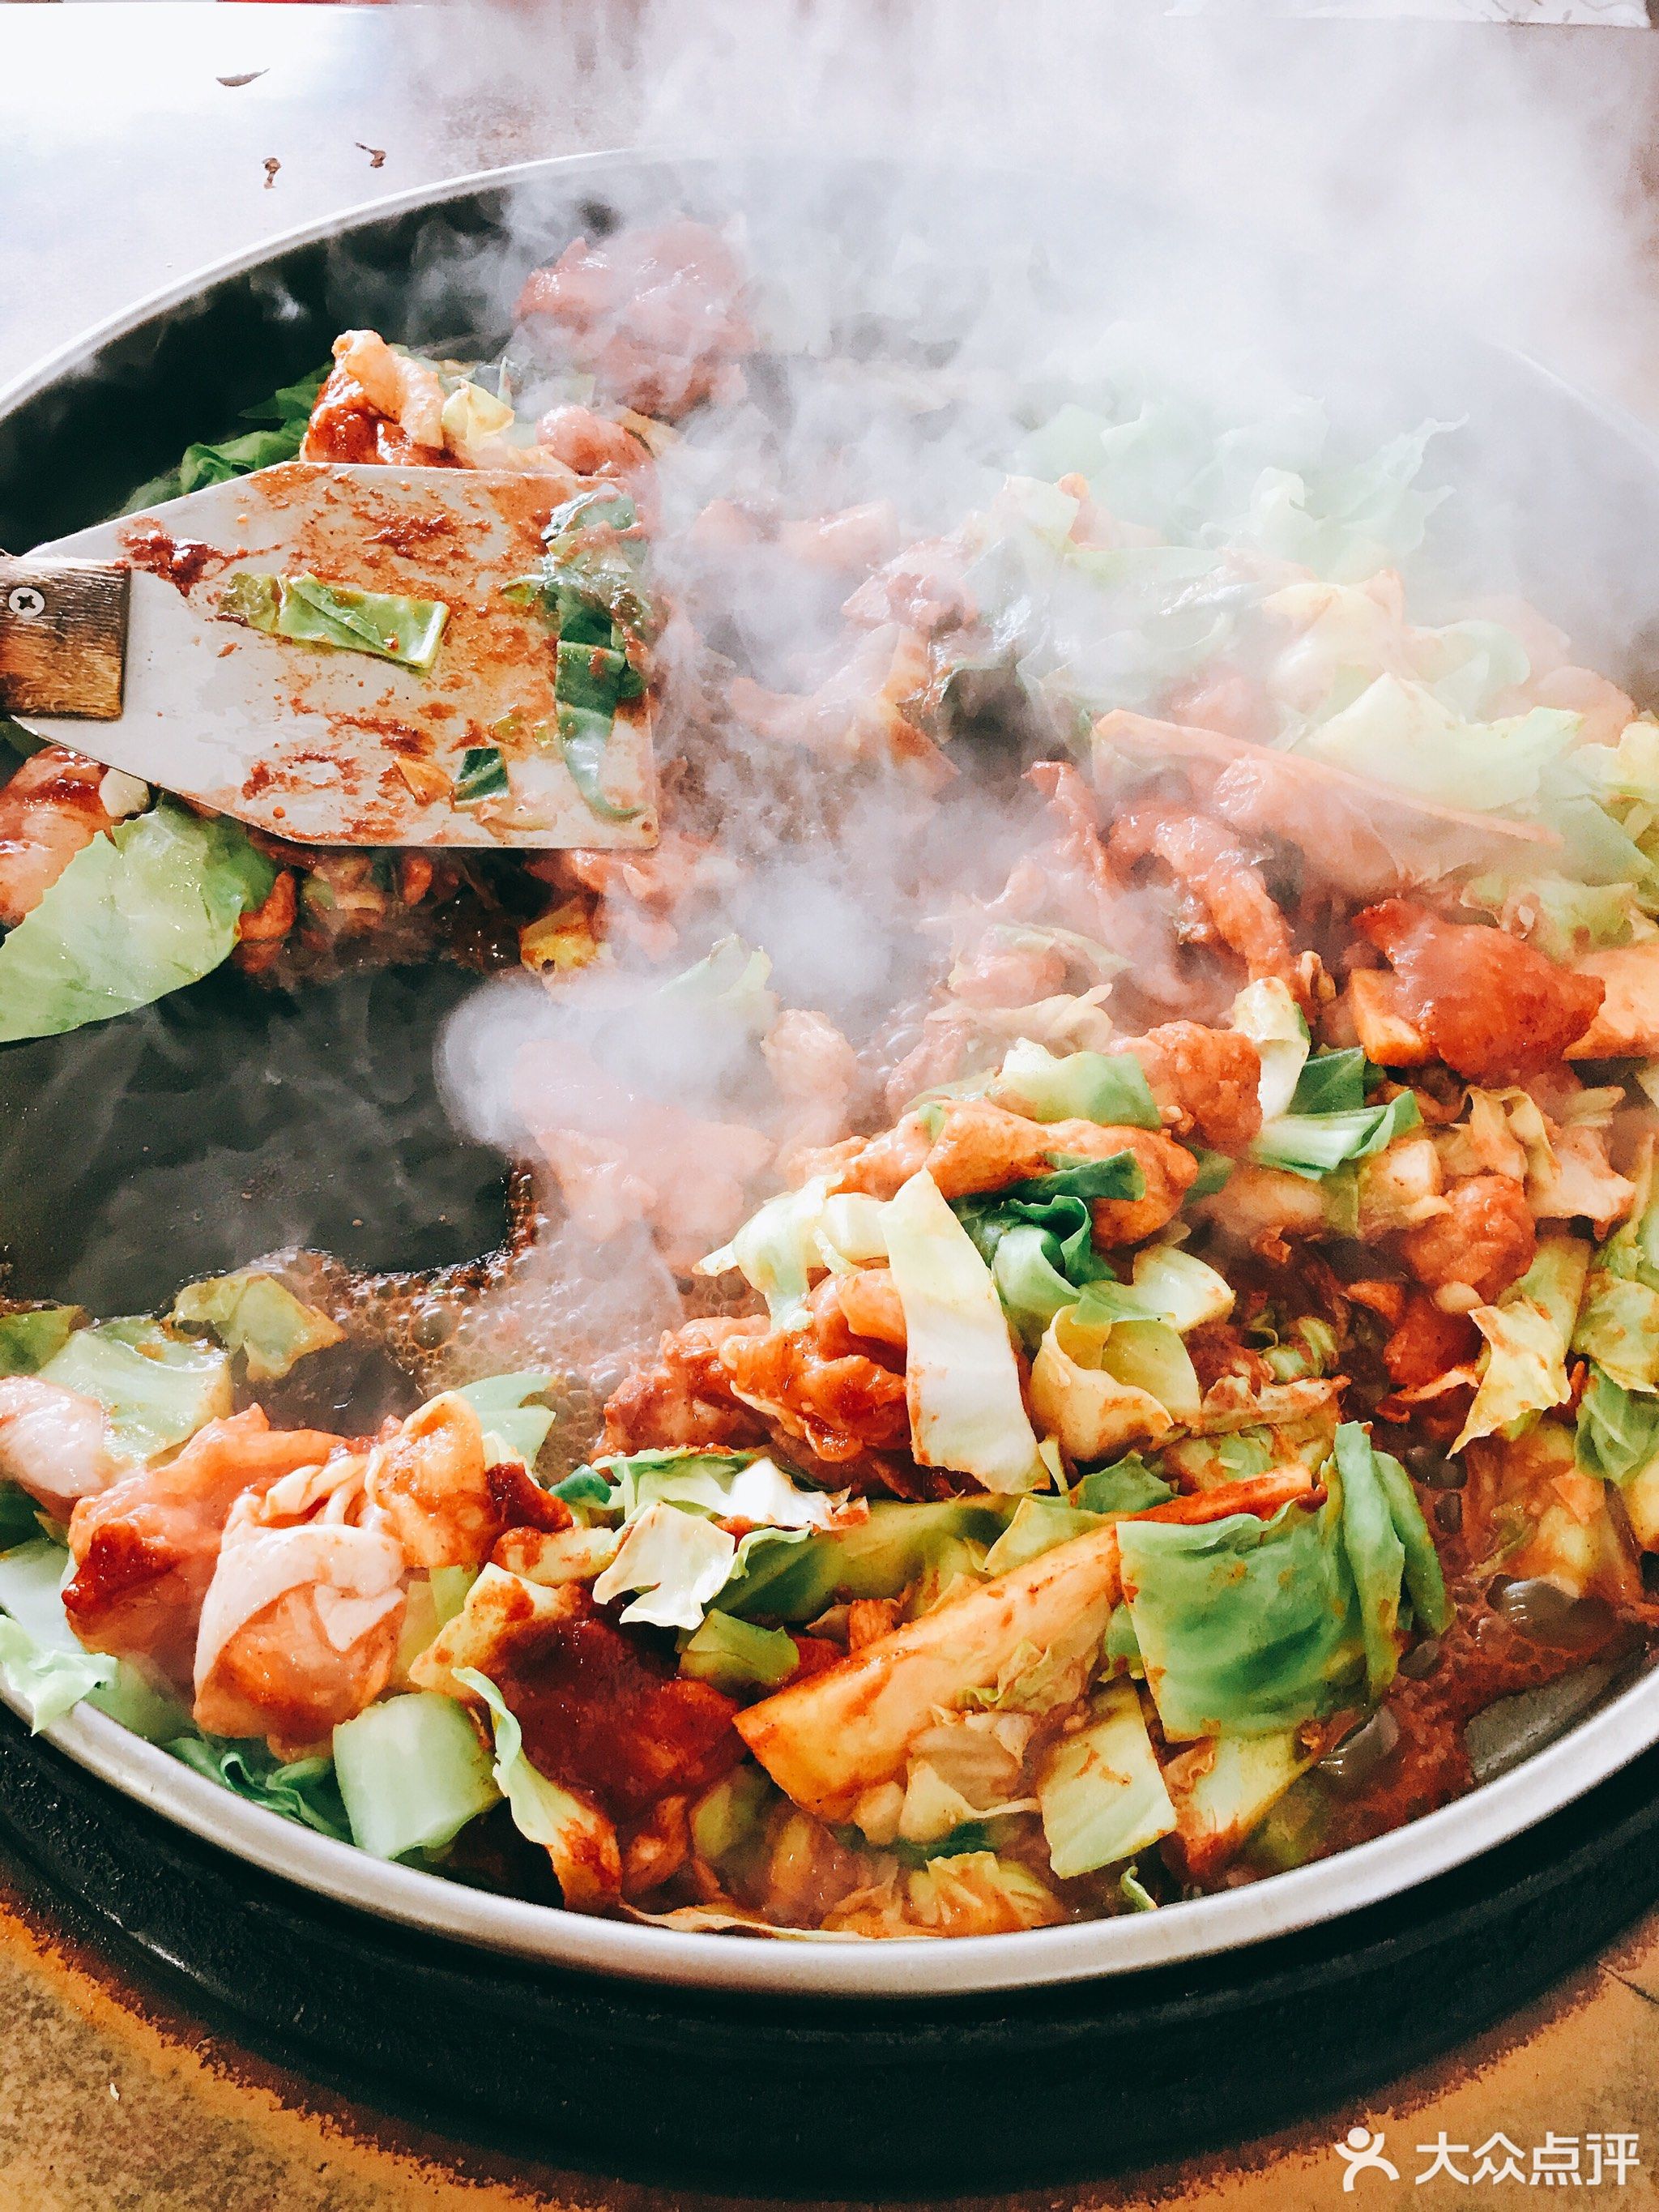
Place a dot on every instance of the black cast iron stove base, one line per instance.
(823, 2098)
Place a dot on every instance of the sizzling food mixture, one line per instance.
(1151, 1376)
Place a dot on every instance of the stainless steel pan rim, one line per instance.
(1588, 1753)
(919, 1968)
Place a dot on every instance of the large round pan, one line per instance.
(1568, 496)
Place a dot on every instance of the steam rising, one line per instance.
(954, 215)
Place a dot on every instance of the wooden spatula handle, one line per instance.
(63, 638)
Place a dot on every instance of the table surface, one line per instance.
(126, 161)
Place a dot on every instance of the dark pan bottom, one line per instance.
(825, 2098)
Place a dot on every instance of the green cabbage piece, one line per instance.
(585, 742)
(288, 412)
(1618, 1324)
(30, 1337)
(728, 1822)
(1399, 733)
(963, 1381)
(674, 1560)
(42, 1660)
(1524, 1367)
(20, 1516)
(1308, 1346)
(482, 775)
(411, 1773)
(1565, 918)
(302, 1790)
(1039, 1523)
(1037, 1238)
(776, 1251)
(506, 1405)
(736, 1655)
(1314, 1144)
(1028, 1280)
(589, 590)
(49, 1683)
(31, 1579)
(1375, 1552)
(143, 909)
(156, 1389)
(1425, 1582)
(1109, 1088)
(1618, 1431)
(1101, 1795)
(256, 1315)
(793, 1576)
(729, 984)
(1619, 1330)
(308, 611)
(1164, 458)
(1245, 1627)
(1176, 1287)
(1129, 1485)
(595, 679)
(588, 587)
(1332, 1083)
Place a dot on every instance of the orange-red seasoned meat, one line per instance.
(685, 1396)
(145, 1549)
(48, 811)
(347, 427)
(1205, 1080)
(1202, 856)
(1486, 1238)
(840, 1395)
(1427, 1344)
(656, 315)
(1493, 1008)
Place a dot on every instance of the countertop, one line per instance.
(137, 143)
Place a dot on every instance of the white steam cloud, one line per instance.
(987, 201)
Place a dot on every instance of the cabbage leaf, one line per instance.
(1109, 1088)
(962, 1379)
(507, 1406)
(1245, 1627)
(308, 611)
(145, 908)
(1315, 1145)
(1266, 1012)
(156, 1388)
(33, 1334)
(675, 1560)
(795, 1575)
(411, 1773)
(253, 1314)
(1101, 1796)
(302, 1790)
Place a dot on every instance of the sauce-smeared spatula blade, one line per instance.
(116, 642)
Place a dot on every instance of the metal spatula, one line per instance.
(118, 642)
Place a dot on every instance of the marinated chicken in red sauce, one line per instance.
(656, 315)
(1083, 1312)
